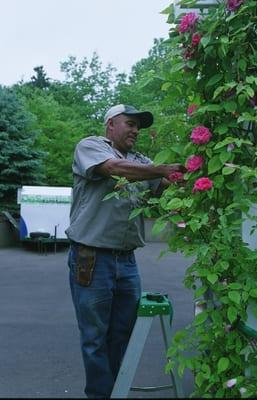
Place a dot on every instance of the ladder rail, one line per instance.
(146, 312)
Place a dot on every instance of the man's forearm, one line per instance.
(134, 171)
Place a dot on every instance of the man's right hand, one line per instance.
(167, 169)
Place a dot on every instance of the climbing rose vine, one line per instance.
(214, 69)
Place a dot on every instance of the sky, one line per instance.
(47, 32)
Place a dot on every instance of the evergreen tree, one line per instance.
(40, 79)
(20, 163)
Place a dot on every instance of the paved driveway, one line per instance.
(39, 340)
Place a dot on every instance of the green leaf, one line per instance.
(212, 278)
(135, 213)
(228, 170)
(162, 157)
(194, 225)
(159, 226)
(203, 272)
(191, 64)
(218, 92)
(188, 202)
(223, 128)
(241, 99)
(224, 142)
(199, 378)
(200, 291)
(230, 106)
(234, 296)
(210, 107)
(253, 293)
(206, 370)
(111, 195)
(224, 156)
(176, 218)
(175, 204)
(166, 85)
(181, 368)
(224, 265)
(224, 39)
(214, 164)
(205, 40)
(177, 67)
(223, 364)
(214, 79)
(218, 181)
(232, 314)
(247, 117)
(235, 285)
(251, 79)
(200, 318)
(242, 64)
(249, 91)
(177, 148)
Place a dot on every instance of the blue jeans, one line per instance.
(106, 314)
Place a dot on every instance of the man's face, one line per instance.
(123, 131)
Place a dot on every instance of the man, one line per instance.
(104, 279)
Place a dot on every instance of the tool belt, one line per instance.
(86, 260)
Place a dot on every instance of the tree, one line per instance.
(68, 111)
(149, 87)
(20, 163)
(40, 80)
(90, 84)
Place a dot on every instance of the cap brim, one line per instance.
(145, 118)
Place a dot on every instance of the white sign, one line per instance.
(44, 209)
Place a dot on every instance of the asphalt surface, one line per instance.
(39, 338)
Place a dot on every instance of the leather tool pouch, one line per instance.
(85, 264)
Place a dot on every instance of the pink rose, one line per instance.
(232, 5)
(187, 22)
(202, 184)
(175, 176)
(191, 109)
(200, 135)
(194, 163)
(195, 39)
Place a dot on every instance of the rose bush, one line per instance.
(216, 52)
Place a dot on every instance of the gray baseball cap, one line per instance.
(145, 117)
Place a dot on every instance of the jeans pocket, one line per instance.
(131, 258)
(72, 259)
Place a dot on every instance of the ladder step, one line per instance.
(150, 388)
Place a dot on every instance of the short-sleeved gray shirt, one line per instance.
(99, 223)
